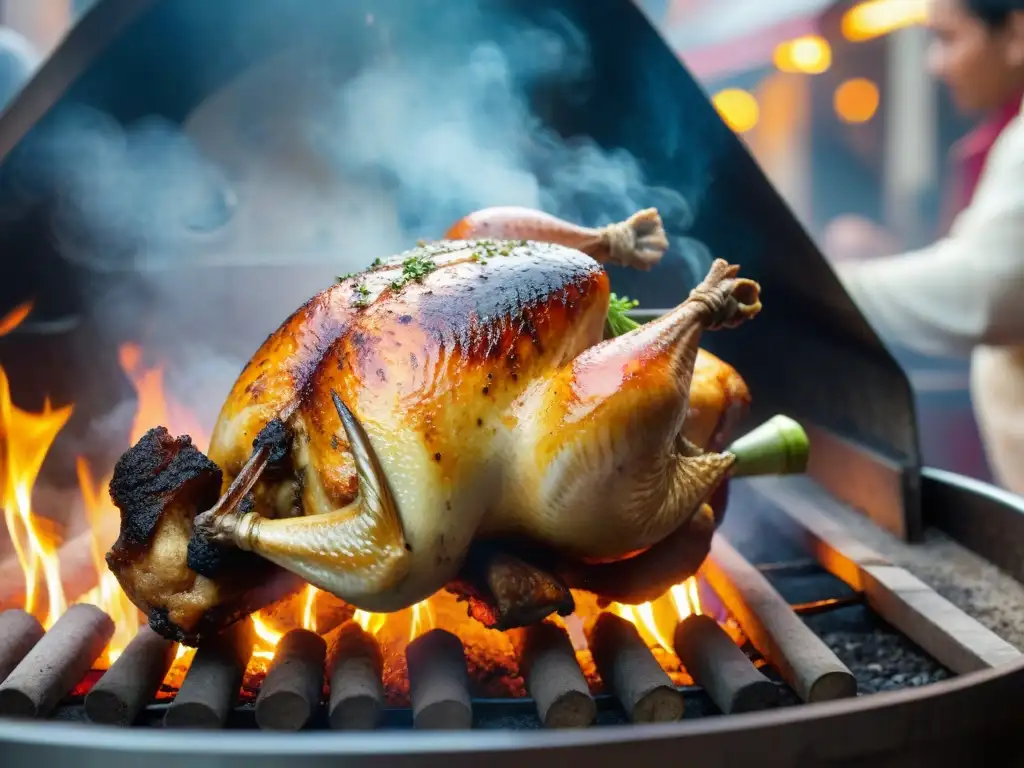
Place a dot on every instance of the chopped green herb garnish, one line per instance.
(417, 266)
(493, 249)
(414, 268)
(362, 295)
(618, 321)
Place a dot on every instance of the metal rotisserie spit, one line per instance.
(180, 176)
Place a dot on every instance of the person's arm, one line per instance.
(967, 288)
(854, 238)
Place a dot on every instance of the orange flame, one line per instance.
(370, 622)
(656, 619)
(25, 439)
(154, 408)
(14, 318)
(107, 594)
(418, 619)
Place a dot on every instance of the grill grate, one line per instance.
(816, 631)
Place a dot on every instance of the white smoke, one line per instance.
(296, 169)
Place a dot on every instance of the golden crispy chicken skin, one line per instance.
(718, 400)
(428, 373)
(455, 394)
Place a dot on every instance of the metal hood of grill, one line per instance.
(811, 354)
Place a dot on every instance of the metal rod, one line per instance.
(355, 665)
(827, 605)
(291, 691)
(129, 685)
(717, 664)
(547, 662)
(810, 668)
(629, 670)
(787, 566)
(210, 689)
(19, 633)
(57, 662)
(439, 682)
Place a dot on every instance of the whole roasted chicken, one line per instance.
(454, 417)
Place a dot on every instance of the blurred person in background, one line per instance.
(964, 294)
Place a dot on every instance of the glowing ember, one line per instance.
(25, 439)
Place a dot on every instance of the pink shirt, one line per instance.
(968, 157)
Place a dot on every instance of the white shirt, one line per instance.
(965, 295)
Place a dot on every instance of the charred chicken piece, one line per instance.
(504, 590)
(499, 597)
(461, 393)
(188, 587)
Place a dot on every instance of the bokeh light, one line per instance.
(738, 108)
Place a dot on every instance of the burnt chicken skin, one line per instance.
(188, 588)
(455, 393)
